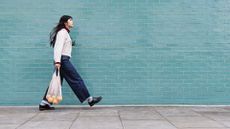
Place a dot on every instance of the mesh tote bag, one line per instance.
(54, 94)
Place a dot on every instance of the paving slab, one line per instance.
(115, 117)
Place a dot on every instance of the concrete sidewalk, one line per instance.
(118, 117)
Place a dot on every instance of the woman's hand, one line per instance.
(57, 65)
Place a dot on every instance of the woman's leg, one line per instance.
(74, 80)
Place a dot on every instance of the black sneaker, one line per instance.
(45, 107)
(95, 100)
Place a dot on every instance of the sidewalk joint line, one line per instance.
(78, 115)
(119, 116)
(165, 118)
(27, 120)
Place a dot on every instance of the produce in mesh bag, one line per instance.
(54, 94)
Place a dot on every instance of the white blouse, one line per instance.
(63, 45)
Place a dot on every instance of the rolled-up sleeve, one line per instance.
(59, 43)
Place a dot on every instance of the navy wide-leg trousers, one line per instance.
(70, 74)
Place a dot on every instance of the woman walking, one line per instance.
(61, 42)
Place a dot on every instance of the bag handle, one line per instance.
(56, 71)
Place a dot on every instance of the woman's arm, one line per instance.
(60, 39)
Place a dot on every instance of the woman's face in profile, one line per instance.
(70, 22)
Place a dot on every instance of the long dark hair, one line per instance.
(59, 26)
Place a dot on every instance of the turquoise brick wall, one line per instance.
(129, 51)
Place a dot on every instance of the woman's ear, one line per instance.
(65, 23)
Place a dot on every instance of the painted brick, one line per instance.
(131, 52)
